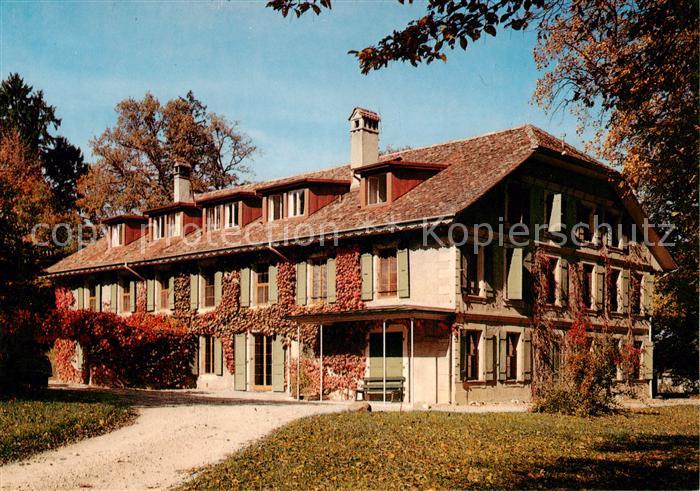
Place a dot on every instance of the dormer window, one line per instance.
(163, 226)
(296, 203)
(376, 189)
(232, 219)
(214, 218)
(116, 235)
(275, 207)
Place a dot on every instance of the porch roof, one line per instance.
(384, 312)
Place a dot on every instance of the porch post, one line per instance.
(410, 371)
(298, 360)
(384, 361)
(321, 371)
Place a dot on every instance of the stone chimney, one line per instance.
(182, 186)
(364, 139)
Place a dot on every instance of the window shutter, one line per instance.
(272, 275)
(555, 217)
(403, 280)
(515, 275)
(202, 353)
(527, 356)
(98, 298)
(194, 362)
(150, 294)
(625, 290)
(563, 281)
(81, 298)
(489, 277)
(277, 365)
(648, 285)
(113, 297)
(218, 286)
(647, 361)
(501, 355)
(171, 292)
(301, 283)
(599, 287)
(367, 276)
(489, 357)
(462, 354)
(218, 357)
(245, 288)
(240, 348)
(194, 291)
(330, 280)
(132, 296)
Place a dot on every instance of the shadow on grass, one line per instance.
(644, 462)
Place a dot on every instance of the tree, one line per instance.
(626, 68)
(26, 111)
(136, 157)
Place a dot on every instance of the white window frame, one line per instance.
(593, 286)
(296, 205)
(373, 196)
(213, 217)
(117, 234)
(160, 279)
(163, 226)
(271, 207)
(231, 212)
(122, 288)
(619, 292)
(480, 271)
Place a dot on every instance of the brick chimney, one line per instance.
(364, 139)
(182, 189)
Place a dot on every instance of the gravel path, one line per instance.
(173, 434)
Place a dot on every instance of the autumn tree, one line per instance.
(628, 70)
(134, 167)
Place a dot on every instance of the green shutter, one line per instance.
(647, 362)
(240, 348)
(218, 357)
(648, 289)
(81, 298)
(301, 283)
(277, 365)
(218, 281)
(515, 275)
(555, 217)
(272, 275)
(202, 354)
(245, 288)
(403, 278)
(599, 286)
(113, 297)
(98, 298)
(367, 276)
(625, 275)
(527, 356)
(502, 355)
(564, 281)
(150, 294)
(194, 291)
(330, 280)
(489, 356)
(171, 292)
(194, 362)
(132, 296)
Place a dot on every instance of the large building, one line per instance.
(383, 273)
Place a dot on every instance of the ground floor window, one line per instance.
(470, 355)
(208, 355)
(263, 361)
(512, 356)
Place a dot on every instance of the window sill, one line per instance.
(475, 298)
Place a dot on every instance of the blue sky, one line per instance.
(288, 81)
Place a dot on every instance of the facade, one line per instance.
(405, 276)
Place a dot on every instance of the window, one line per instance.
(614, 290)
(585, 215)
(512, 356)
(92, 298)
(472, 271)
(209, 298)
(376, 189)
(636, 363)
(636, 293)
(517, 204)
(551, 280)
(164, 295)
(470, 355)
(117, 234)
(163, 226)
(275, 207)
(296, 203)
(319, 280)
(587, 294)
(214, 218)
(386, 281)
(208, 355)
(126, 297)
(262, 285)
(232, 215)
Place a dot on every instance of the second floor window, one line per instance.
(587, 295)
(614, 290)
(117, 234)
(319, 281)
(275, 207)
(163, 226)
(262, 285)
(585, 215)
(214, 218)
(470, 355)
(551, 280)
(209, 296)
(232, 215)
(296, 203)
(472, 273)
(518, 204)
(512, 356)
(636, 293)
(376, 189)
(386, 277)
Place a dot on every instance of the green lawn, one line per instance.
(641, 449)
(51, 418)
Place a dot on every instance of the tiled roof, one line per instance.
(474, 166)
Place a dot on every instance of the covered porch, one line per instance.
(409, 352)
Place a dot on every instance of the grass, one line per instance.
(48, 419)
(636, 449)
